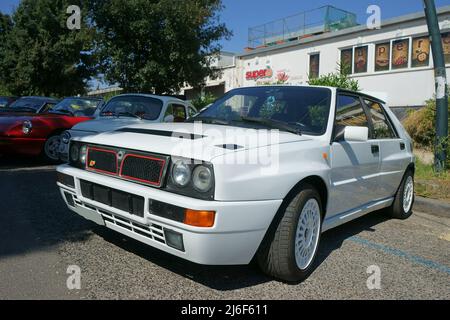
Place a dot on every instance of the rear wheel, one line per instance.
(404, 199)
(289, 251)
(51, 147)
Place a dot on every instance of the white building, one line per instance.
(394, 61)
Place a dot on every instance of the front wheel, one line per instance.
(51, 149)
(404, 199)
(288, 253)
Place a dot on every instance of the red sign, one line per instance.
(259, 74)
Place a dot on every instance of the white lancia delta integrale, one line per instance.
(259, 174)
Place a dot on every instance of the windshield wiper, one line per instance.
(274, 124)
(128, 114)
(120, 114)
(209, 120)
(61, 111)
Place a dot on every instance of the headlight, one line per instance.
(191, 178)
(181, 173)
(83, 154)
(202, 178)
(27, 126)
(65, 137)
(74, 153)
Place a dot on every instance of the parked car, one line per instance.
(30, 105)
(201, 195)
(38, 133)
(129, 109)
(6, 101)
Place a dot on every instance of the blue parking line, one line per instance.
(399, 253)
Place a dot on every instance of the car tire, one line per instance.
(288, 251)
(403, 203)
(51, 146)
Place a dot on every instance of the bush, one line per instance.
(202, 100)
(421, 126)
(337, 79)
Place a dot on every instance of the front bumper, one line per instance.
(22, 146)
(234, 239)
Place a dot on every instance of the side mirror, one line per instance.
(356, 133)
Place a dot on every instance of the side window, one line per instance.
(47, 107)
(350, 112)
(382, 128)
(177, 111)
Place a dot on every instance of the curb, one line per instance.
(431, 206)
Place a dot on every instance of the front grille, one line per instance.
(102, 160)
(130, 165)
(120, 200)
(142, 168)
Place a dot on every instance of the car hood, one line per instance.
(191, 140)
(107, 124)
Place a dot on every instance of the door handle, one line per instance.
(375, 148)
(402, 146)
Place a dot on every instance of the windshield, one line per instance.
(303, 109)
(27, 103)
(77, 106)
(133, 106)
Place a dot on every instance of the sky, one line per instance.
(239, 15)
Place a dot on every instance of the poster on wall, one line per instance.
(360, 59)
(346, 61)
(420, 52)
(382, 56)
(446, 45)
(400, 54)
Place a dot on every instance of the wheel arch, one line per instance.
(314, 180)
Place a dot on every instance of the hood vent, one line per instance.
(181, 135)
(230, 146)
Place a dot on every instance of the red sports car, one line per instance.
(35, 134)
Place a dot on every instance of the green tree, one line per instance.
(41, 55)
(157, 45)
(5, 29)
(203, 100)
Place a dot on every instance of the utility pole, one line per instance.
(441, 86)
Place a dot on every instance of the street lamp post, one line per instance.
(441, 86)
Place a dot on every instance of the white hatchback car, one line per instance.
(259, 174)
(125, 110)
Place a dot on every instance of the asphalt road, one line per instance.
(40, 239)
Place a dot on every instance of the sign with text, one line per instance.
(259, 74)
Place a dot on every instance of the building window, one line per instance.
(360, 65)
(382, 56)
(346, 61)
(446, 46)
(400, 54)
(420, 52)
(314, 62)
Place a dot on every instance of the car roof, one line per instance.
(41, 98)
(162, 98)
(84, 97)
(338, 90)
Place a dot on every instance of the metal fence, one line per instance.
(298, 26)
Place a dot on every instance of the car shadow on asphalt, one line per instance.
(225, 278)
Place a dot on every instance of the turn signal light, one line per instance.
(204, 219)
